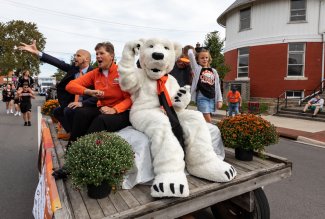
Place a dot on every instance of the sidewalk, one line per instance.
(312, 132)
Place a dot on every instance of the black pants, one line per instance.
(89, 120)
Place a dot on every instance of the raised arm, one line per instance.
(32, 48)
(128, 75)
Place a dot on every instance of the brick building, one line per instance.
(274, 47)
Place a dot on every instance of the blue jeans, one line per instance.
(233, 108)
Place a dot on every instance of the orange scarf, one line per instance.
(166, 105)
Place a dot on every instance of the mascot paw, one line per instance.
(170, 185)
(183, 97)
(217, 171)
(132, 48)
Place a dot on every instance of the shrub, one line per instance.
(97, 157)
(248, 131)
(49, 106)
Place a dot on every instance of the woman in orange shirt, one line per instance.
(112, 111)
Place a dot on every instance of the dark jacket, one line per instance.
(64, 97)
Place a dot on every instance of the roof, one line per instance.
(238, 3)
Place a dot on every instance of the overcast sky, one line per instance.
(70, 24)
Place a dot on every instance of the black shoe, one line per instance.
(25, 124)
(313, 116)
(303, 113)
(61, 173)
(29, 124)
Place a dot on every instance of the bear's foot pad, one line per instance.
(170, 185)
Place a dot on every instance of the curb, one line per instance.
(310, 141)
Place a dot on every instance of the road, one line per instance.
(303, 194)
(298, 197)
(18, 164)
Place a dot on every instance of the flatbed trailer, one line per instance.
(244, 192)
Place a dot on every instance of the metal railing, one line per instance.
(312, 93)
(284, 99)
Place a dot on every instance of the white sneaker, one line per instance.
(19, 113)
(16, 113)
(7, 111)
(11, 111)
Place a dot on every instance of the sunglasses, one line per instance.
(200, 49)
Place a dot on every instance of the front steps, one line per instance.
(295, 112)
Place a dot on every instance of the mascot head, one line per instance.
(158, 56)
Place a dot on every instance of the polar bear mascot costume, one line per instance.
(149, 86)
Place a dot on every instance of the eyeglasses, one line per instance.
(203, 48)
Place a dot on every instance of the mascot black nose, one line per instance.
(157, 56)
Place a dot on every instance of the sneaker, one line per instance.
(25, 124)
(61, 173)
(11, 111)
(7, 111)
(19, 113)
(28, 123)
(16, 114)
(63, 136)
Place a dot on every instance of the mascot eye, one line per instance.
(151, 46)
(166, 48)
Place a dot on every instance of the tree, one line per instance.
(11, 34)
(59, 74)
(215, 44)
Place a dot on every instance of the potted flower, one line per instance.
(247, 133)
(99, 161)
(48, 107)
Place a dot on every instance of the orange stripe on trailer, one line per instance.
(53, 191)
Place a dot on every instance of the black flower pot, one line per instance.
(98, 192)
(244, 155)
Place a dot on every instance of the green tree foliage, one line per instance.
(11, 34)
(214, 44)
(59, 74)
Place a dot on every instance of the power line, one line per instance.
(97, 20)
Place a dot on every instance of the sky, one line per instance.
(70, 25)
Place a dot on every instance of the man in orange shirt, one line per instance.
(234, 101)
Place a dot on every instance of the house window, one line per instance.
(296, 59)
(243, 58)
(298, 10)
(245, 19)
(294, 94)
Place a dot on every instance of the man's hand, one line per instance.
(29, 48)
(94, 93)
(74, 105)
(107, 110)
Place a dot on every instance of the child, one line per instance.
(25, 103)
(7, 97)
(205, 89)
(16, 101)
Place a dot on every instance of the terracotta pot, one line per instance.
(98, 192)
(244, 155)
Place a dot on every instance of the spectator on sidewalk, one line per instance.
(234, 101)
(315, 104)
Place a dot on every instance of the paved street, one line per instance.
(303, 194)
(18, 164)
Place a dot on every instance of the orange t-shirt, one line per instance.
(113, 95)
(233, 97)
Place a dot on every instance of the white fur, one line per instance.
(146, 116)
